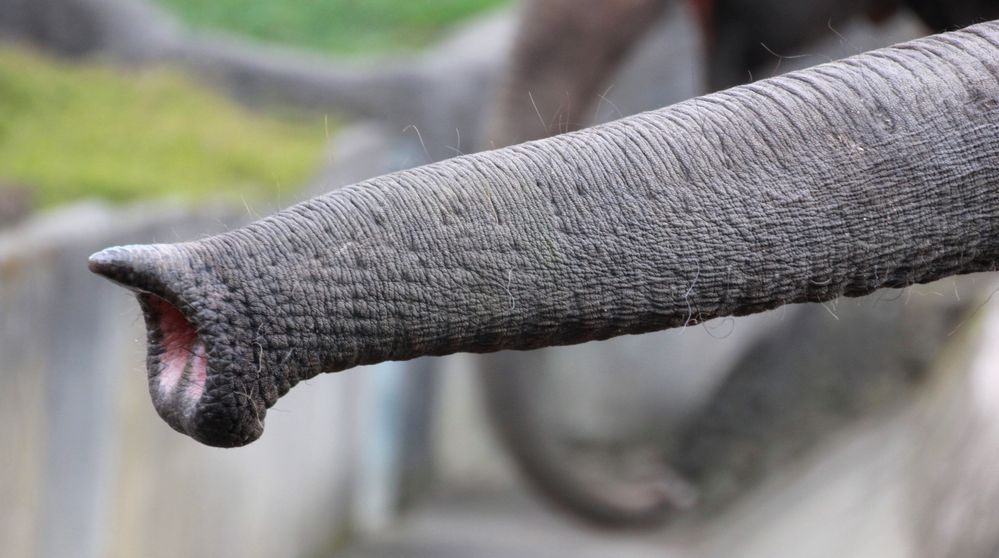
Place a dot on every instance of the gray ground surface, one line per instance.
(499, 527)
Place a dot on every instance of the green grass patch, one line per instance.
(338, 26)
(80, 131)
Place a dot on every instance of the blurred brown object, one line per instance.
(16, 203)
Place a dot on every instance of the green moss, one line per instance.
(340, 26)
(76, 131)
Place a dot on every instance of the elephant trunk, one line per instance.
(877, 171)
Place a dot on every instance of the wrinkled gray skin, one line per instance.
(877, 171)
(564, 56)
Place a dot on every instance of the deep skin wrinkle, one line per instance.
(880, 170)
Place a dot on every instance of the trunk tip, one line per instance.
(123, 264)
(107, 260)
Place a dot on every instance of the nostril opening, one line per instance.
(178, 361)
(180, 340)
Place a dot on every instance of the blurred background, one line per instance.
(862, 427)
